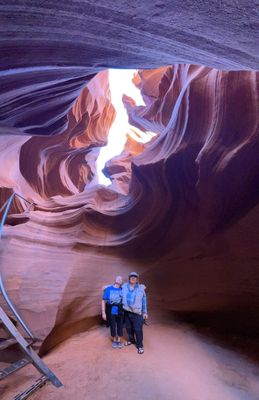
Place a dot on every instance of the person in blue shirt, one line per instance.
(134, 303)
(112, 309)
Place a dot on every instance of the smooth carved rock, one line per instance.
(182, 209)
(182, 212)
(49, 50)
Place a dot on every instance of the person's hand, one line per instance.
(104, 316)
(145, 316)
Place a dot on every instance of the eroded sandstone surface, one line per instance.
(182, 209)
(187, 220)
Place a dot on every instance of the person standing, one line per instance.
(112, 310)
(134, 302)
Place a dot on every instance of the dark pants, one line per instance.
(134, 328)
(108, 314)
(116, 325)
(116, 320)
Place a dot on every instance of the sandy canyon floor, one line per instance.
(178, 364)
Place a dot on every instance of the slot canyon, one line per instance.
(181, 206)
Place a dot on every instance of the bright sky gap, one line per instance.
(120, 83)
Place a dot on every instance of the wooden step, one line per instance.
(4, 344)
(13, 368)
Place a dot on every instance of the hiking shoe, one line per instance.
(120, 345)
(114, 345)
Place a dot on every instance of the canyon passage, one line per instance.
(132, 131)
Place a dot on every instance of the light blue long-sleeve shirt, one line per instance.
(134, 300)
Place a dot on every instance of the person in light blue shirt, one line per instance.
(134, 303)
(112, 302)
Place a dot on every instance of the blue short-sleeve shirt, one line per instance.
(112, 295)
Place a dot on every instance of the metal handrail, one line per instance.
(7, 204)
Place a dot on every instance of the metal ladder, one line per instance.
(16, 338)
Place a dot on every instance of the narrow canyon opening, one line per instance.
(129, 153)
(121, 84)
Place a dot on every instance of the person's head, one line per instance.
(118, 280)
(133, 278)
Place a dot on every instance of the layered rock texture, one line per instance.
(182, 209)
(49, 49)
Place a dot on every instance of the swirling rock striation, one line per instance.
(182, 209)
(49, 50)
(178, 216)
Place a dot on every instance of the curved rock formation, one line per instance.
(66, 163)
(179, 219)
(146, 34)
(49, 50)
(181, 209)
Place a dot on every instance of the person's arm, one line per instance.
(104, 300)
(144, 306)
(103, 310)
